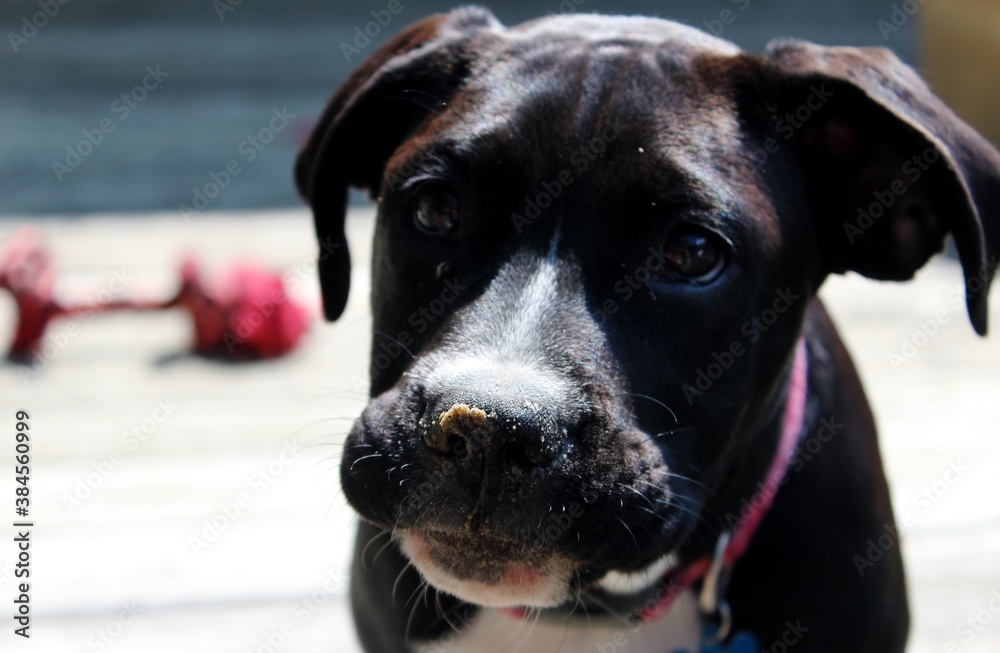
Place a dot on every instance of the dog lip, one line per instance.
(496, 574)
(467, 544)
(485, 556)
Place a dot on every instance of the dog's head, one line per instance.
(597, 240)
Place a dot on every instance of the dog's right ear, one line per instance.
(367, 118)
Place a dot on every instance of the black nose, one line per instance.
(504, 428)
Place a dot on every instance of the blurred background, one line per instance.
(229, 64)
(186, 504)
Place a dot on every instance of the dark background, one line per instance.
(227, 76)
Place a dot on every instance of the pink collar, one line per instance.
(791, 428)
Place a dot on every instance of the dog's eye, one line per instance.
(435, 211)
(694, 254)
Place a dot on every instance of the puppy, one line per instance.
(597, 345)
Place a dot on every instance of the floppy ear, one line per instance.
(366, 120)
(890, 169)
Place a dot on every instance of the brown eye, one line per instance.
(435, 211)
(694, 254)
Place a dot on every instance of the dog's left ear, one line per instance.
(368, 117)
(890, 169)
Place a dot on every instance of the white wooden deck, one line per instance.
(269, 434)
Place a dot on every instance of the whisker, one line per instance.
(371, 455)
(413, 612)
(535, 615)
(371, 541)
(386, 335)
(687, 429)
(629, 530)
(604, 605)
(656, 401)
(641, 495)
(441, 612)
(381, 550)
(422, 588)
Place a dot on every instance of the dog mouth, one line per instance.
(489, 571)
(485, 514)
(499, 573)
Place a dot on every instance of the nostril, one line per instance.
(459, 447)
(450, 429)
(451, 444)
(440, 440)
(535, 450)
(518, 454)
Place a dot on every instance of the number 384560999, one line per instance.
(22, 470)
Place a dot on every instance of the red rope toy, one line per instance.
(243, 314)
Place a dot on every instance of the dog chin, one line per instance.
(486, 579)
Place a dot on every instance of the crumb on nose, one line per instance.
(455, 425)
(461, 417)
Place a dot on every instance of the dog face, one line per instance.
(597, 239)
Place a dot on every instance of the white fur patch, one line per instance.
(511, 350)
(496, 632)
(633, 582)
(545, 587)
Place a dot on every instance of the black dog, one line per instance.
(597, 339)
